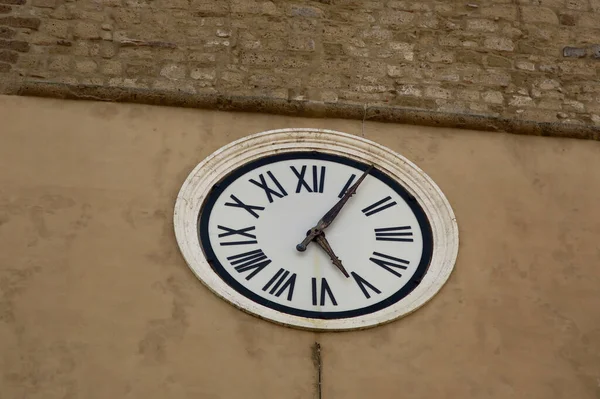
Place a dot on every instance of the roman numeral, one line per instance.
(240, 232)
(325, 291)
(256, 260)
(281, 282)
(249, 208)
(268, 190)
(347, 186)
(363, 284)
(400, 233)
(318, 179)
(387, 262)
(379, 206)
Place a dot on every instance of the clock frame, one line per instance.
(431, 208)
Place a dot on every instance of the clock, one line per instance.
(316, 229)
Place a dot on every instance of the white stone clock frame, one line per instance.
(196, 187)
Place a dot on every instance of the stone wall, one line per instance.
(534, 60)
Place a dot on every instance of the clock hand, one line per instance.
(322, 241)
(328, 218)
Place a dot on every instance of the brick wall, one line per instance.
(536, 60)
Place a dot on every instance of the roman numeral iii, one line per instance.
(379, 206)
(325, 292)
(281, 282)
(318, 179)
(400, 233)
(241, 232)
(268, 190)
(253, 260)
(389, 263)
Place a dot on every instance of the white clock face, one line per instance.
(253, 219)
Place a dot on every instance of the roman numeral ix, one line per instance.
(379, 206)
(388, 262)
(318, 179)
(325, 291)
(241, 232)
(254, 260)
(400, 233)
(268, 190)
(281, 282)
(239, 204)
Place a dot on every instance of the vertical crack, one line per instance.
(366, 105)
(318, 366)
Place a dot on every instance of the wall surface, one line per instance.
(97, 302)
(533, 60)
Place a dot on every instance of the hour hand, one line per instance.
(322, 241)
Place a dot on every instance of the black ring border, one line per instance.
(219, 187)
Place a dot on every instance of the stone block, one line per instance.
(437, 55)
(499, 43)
(59, 63)
(304, 11)
(21, 22)
(482, 25)
(396, 18)
(409, 90)
(15, 45)
(85, 66)
(493, 97)
(525, 65)
(56, 28)
(567, 19)
(7, 33)
(508, 12)
(574, 52)
(581, 5)
(44, 3)
(437, 92)
(8, 56)
(536, 15)
(86, 30)
(173, 71)
(300, 43)
(324, 80)
(111, 67)
(203, 74)
(498, 61)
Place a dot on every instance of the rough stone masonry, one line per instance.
(529, 60)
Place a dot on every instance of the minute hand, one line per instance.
(332, 213)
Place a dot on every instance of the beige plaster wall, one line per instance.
(96, 301)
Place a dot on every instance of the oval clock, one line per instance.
(316, 229)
